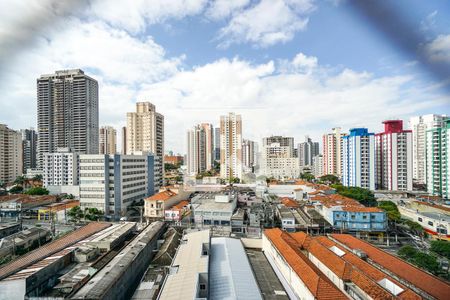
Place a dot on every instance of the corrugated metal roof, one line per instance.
(51, 248)
(231, 276)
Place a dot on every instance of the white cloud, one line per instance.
(220, 9)
(439, 49)
(277, 102)
(429, 22)
(267, 23)
(136, 15)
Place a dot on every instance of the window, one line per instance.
(430, 223)
(364, 217)
(420, 219)
(353, 217)
(202, 286)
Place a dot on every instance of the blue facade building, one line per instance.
(358, 159)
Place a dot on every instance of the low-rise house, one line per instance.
(56, 210)
(156, 205)
(348, 214)
(286, 217)
(177, 211)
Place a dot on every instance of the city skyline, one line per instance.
(277, 75)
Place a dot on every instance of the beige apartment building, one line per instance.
(108, 140)
(231, 146)
(145, 132)
(332, 152)
(11, 154)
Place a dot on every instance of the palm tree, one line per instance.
(37, 177)
(20, 180)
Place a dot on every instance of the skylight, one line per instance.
(337, 251)
(390, 286)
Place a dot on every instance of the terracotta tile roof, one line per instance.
(180, 205)
(23, 198)
(426, 282)
(51, 248)
(316, 282)
(162, 196)
(347, 204)
(289, 202)
(365, 276)
(336, 264)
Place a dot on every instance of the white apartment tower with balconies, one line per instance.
(60, 168)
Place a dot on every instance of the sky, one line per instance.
(289, 67)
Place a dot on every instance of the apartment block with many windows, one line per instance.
(111, 183)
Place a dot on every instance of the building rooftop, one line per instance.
(231, 276)
(347, 204)
(51, 248)
(188, 264)
(289, 202)
(180, 205)
(436, 206)
(162, 196)
(104, 279)
(428, 283)
(349, 267)
(317, 283)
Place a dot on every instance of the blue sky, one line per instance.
(291, 67)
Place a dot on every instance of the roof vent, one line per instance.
(390, 286)
(337, 251)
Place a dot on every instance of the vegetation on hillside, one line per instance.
(363, 196)
(391, 210)
(37, 191)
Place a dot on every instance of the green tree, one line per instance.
(17, 189)
(37, 191)
(407, 252)
(20, 180)
(391, 210)
(364, 196)
(426, 261)
(92, 214)
(329, 179)
(414, 227)
(441, 247)
(75, 214)
(169, 167)
(37, 177)
(307, 176)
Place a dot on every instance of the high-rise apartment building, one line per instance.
(124, 140)
(217, 144)
(145, 133)
(196, 150)
(317, 166)
(394, 157)
(306, 151)
(29, 146)
(358, 160)
(67, 104)
(277, 158)
(111, 183)
(419, 126)
(249, 155)
(209, 144)
(438, 160)
(60, 168)
(231, 146)
(332, 152)
(108, 140)
(11, 160)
